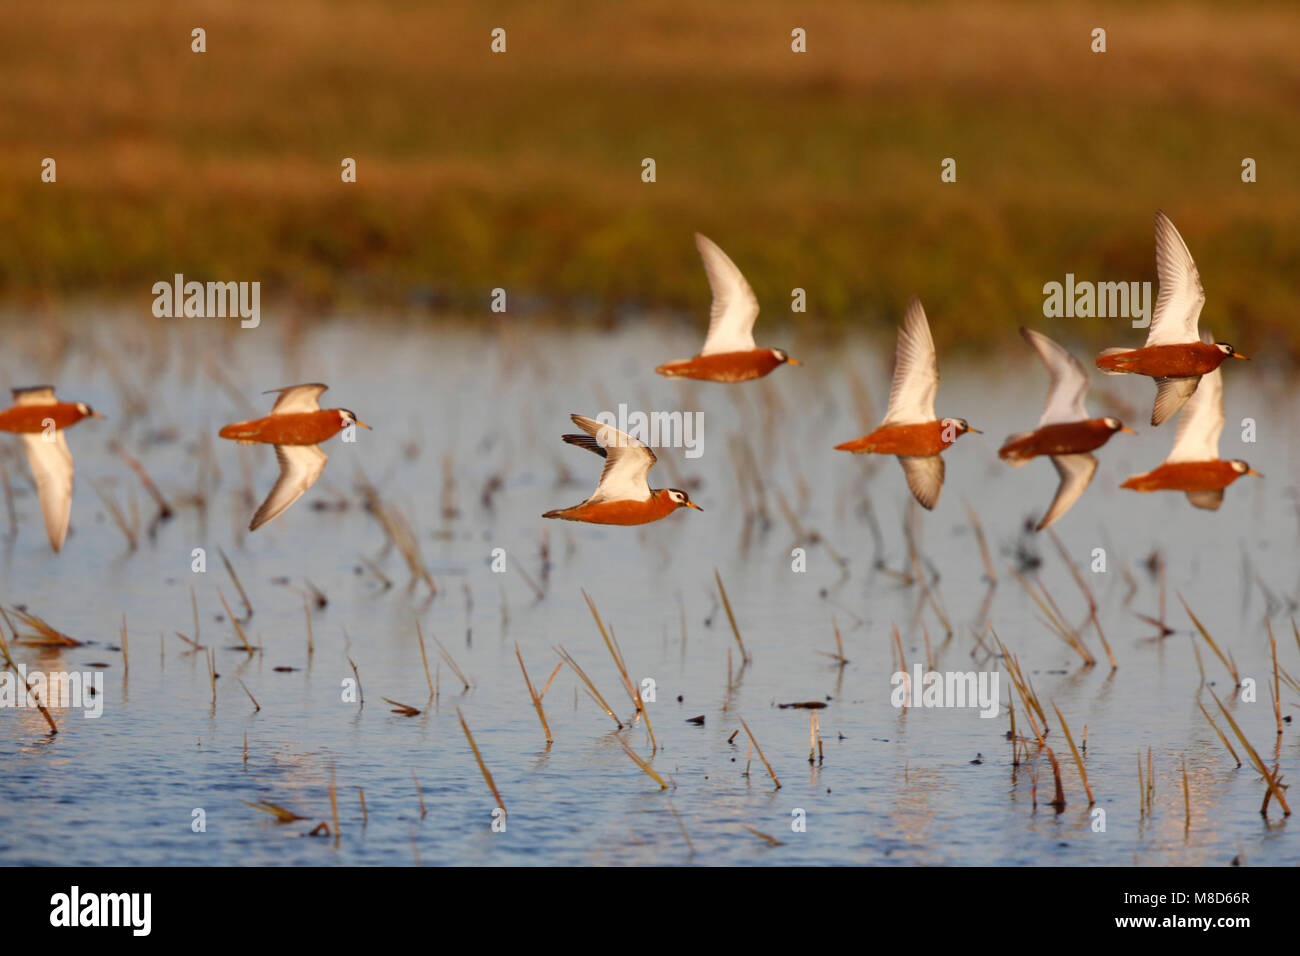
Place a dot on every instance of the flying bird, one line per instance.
(1174, 354)
(295, 426)
(41, 418)
(1065, 433)
(729, 353)
(910, 429)
(623, 495)
(1194, 466)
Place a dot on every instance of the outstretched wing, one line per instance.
(52, 470)
(1171, 395)
(735, 307)
(924, 478)
(626, 476)
(297, 398)
(36, 395)
(916, 371)
(1069, 384)
(1178, 306)
(1209, 500)
(300, 466)
(1197, 438)
(1075, 471)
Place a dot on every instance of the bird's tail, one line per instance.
(1108, 362)
(1012, 455)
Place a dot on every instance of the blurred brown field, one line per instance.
(523, 170)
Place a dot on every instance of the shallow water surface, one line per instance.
(466, 448)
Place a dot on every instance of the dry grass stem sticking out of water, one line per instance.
(256, 705)
(1229, 664)
(233, 620)
(126, 655)
(455, 668)
(1028, 698)
(1058, 800)
(1273, 780)
(528, 579)
(243, 595)
(616, 652)
(1277, 687)
(212, 674)
(1219, 732)
(487, 774)
(419, 631)
(591, 688)
(406, 710)
(990, 573)
(1187, 800)
(1142, 792)
(1087, 594)
(361, 695)
(537, 701)
(771, 840)
(1054, 621)
(1078, 761)
(744, 655)
(280, 813)
(164, 509)
(759, 750)
(45, 635)
(1151, 783)
(116, 514)
(370, 566)
(838, 657)
(311, 644)
(640, 762)
(9, 661)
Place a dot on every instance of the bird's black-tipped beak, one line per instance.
(1125, 428)
(692, 504)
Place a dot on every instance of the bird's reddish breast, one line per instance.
(298, 428)
(33, 418)
(1187, 476)
(724, 366)
(910, 441)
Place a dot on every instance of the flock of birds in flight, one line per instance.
(1183, 362)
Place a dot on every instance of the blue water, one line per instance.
(893, 787)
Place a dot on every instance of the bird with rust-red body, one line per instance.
(729, 353)
(910, 431)
(41, 418)
(1194, 466)
(295, 426)
(1174, 354)
(1065, 433)
(623, 495)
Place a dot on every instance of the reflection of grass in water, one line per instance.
(522, 170)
